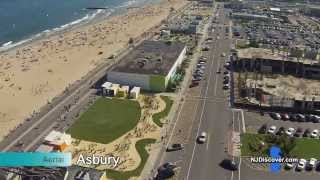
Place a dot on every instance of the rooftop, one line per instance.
(55, 137)
(85, 173)
(150, 57)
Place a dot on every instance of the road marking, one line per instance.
(232, 120)
(239, 167)
(175, 123)
(243, 122)
(216, 77)
(199, 125)
(208, 141)
(39, 137)
(232, 142)
(178, 117)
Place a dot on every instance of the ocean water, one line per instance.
(24, 20)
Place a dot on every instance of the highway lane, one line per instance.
(215, 118)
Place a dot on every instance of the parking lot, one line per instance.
(255, 121)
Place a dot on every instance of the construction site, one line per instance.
(274, 80)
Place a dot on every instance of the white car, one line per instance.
(202, 138)
(314, 133)
(275, 116)
(223, 55)
(290, 131)
(312, 163)
(301, 164)
(272, 130)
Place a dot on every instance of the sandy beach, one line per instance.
(30, 76)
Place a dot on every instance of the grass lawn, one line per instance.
(106, 120)
(303, 147)
(159, 116)
(248, 140)
(140, 146)
(307, 148)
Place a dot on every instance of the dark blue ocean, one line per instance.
(22, 20)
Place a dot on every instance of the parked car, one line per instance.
(196, 78)
(166, 171)
(272, 129)
(300, 118)
(298, 132)
(206, 48)
(314, 133)
(301, 164)
(225, 81)
(175, 147)
(202, 138)
(312, 163)
(226, 86)
(281, 131)
(194, 84)
(199, 71)
(290, 131)
(227, 64)
(285, 116)
(309, 117)
(316, 119)
(306, 133)
(263, 129)
(223, 55)
(275, 116)
(293, 117)
(203, 58)
(229, 164)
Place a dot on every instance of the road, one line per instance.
(215, 118)
(213, 115)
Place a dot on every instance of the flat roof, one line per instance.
(150, 57)
(75, 170)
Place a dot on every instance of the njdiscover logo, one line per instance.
(275, 160)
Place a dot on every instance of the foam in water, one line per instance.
(7, 44)
(86, 18)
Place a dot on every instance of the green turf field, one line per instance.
(159, 116)
(301, 147)
(140, 146)
(106, 120)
